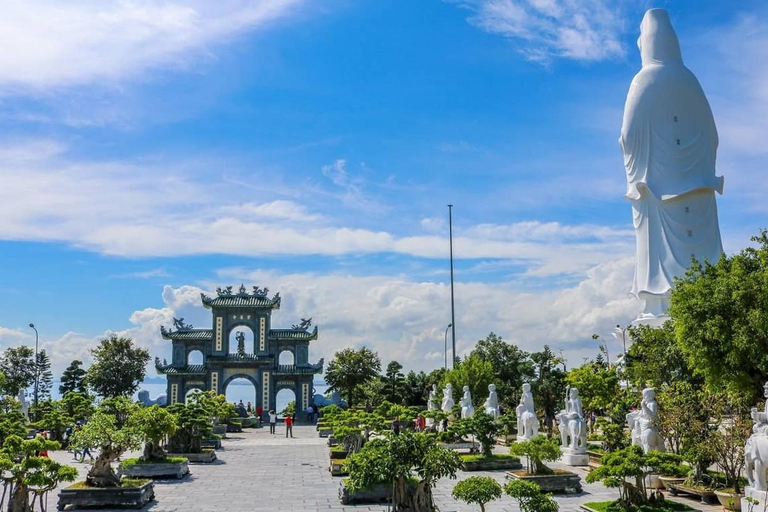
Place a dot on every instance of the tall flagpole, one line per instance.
(453, 312)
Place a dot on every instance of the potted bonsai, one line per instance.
(154, 462)
(25, 475)
(114, 428)
(728, 443)
(477, 489)
(194, 424)
(485, 429)
(539, 450)
(529, 497)
(405, 467)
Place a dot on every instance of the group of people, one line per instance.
(289, 420)
(78, 454)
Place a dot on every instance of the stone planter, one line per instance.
(338, 455)
(729, 501)
(670, 480)
(213, 444)
(204, 457)
(79, 497)
(220, 430)
(558, 482)
(235, 427)
(157, 470)
(376, 494)
(337, 468)
(594, 458)
(469, 447)
(506, 440)
(706, 496)
(492, 464)
(332, 441)
(324, 432)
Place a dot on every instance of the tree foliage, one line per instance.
(394, 383)
(477, 489)
(511, 366)
(473, 372)
(118, 367)
(549, 386)
(721, 319)
(598, 386)
(349, 369)
(73, 379)
(194, 424)
(394, 459)
(158, 423)
(529, 497)
(18, 366)
(79, 406)
(655, 359)
(485, 429)
(44, 375)
(538, 450)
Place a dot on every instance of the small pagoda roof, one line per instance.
(292, 334)
(187, 334)
(167, 369)
(226, 298)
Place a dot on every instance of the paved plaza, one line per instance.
(258, 471)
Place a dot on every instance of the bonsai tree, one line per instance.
(538, 450)
(115, 429)
(158, 423)
(54, 419)
(395, 460)
(215, 405)
(477, 489)
(24, 473)
(290, 409)
(485, 430)
(194, 424)
(508, 422)
(728, 442)
(627, 469)
(354, 428)
(529, 497)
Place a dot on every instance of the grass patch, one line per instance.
(164, 460)
(125, 483)
(495, 456)
(668, 506)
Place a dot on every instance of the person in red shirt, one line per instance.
(289, 425)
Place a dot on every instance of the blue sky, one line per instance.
(152, 150)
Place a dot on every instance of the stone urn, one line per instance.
(729, 500)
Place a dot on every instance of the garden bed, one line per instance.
(559, 481)
(480, 463)
(132, 493)
(170, 467)
(205, 457)
(602, 506)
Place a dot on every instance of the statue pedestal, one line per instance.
(760, 496)
(572, 458)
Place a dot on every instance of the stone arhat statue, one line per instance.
(448, 402)
(527, 422)
(467, 410)
(491, 404)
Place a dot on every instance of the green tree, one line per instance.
(598, 386)
(538, 450)
(25, 473)
(720, 312)
(511, 366)
(18, 366)
(394, 381)
(655, 359)
(73, 379)
(44, 375)
(477, 489)
(194, 425)
(485, 429)
(54, 419)
(549, 386)
(529, 496)
(473, 372)
(395, 459)
(415, 389)
(115, 429)
(349, 369)
(158, 423)
(118, 367)
(78, 406)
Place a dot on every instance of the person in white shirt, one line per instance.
(272, 421)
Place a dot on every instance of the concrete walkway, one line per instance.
(257, 471)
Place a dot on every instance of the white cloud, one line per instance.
(48, 44)
(585, 30)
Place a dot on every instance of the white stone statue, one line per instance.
(644, 423)
(756, 450)
(448, 402)
(527, 422)
(669, 141)
(573, 428)
(24, 408)
(467, 410)
(432, 403)
(491, 404)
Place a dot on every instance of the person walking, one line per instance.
(289, 425)
(272, 421)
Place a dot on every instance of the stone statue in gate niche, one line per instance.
(527, 422)
(644, 423)
(756, 451)
(467, 410)
(573, 430)
(669, 141)
(491, 405)
(448, 402)
(240, 337)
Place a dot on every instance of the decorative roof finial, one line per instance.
(179, 324)
(305, 324)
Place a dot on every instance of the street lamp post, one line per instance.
(445, 345)
(36, 366)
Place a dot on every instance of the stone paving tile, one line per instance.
(257, 471)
